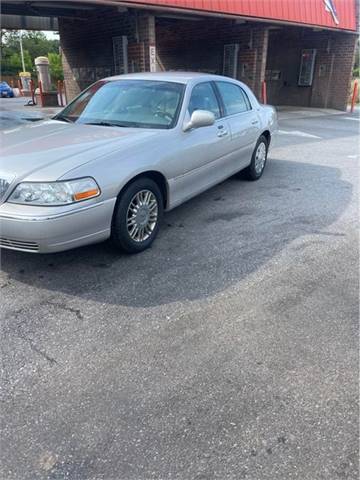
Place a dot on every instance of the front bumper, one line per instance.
(22, 228)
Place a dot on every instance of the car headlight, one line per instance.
(55, 193)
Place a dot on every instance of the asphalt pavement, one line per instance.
(18, 111)
(229, 350)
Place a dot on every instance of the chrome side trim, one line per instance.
(44, 218)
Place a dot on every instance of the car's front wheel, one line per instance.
(137, 215)
(258, 160)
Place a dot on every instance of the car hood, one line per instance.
(47, 150)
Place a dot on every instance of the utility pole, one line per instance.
(22, 52)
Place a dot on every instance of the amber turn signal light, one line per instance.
(88, 194)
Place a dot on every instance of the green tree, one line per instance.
(34, 43)
(56, 70)
(15, 64)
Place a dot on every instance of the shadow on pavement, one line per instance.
(205, 245)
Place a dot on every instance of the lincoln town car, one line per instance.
(126, 150)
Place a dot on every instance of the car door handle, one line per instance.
(255, 122)
(222, 131)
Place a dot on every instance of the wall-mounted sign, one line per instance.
(322, 70)
(152, 56)
(244, 69)
(307, 67)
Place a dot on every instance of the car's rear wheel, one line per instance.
(137, 215)
(258, 160)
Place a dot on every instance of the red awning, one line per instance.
(339, 14)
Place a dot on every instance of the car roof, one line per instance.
(179, 77)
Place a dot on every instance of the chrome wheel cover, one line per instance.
(142, 215)
(260, 157)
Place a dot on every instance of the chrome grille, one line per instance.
(18, 245)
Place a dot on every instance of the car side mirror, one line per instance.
(200, 118)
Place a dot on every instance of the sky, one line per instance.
(52, 35)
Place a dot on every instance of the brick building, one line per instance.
(303, 49)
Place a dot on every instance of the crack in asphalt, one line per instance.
(16, 329)
(36, 349)
(76, 311)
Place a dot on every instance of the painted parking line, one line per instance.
(354, 119)
(298, 133)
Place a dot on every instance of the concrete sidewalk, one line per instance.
(291, 113)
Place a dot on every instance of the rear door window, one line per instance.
(234, 98)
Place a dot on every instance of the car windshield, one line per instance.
(127, 103)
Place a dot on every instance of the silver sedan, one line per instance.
(124, 151)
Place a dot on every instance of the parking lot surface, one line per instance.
(18, 111)
(229, 350)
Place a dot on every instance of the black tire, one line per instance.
(120, 235)
(250, 173)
